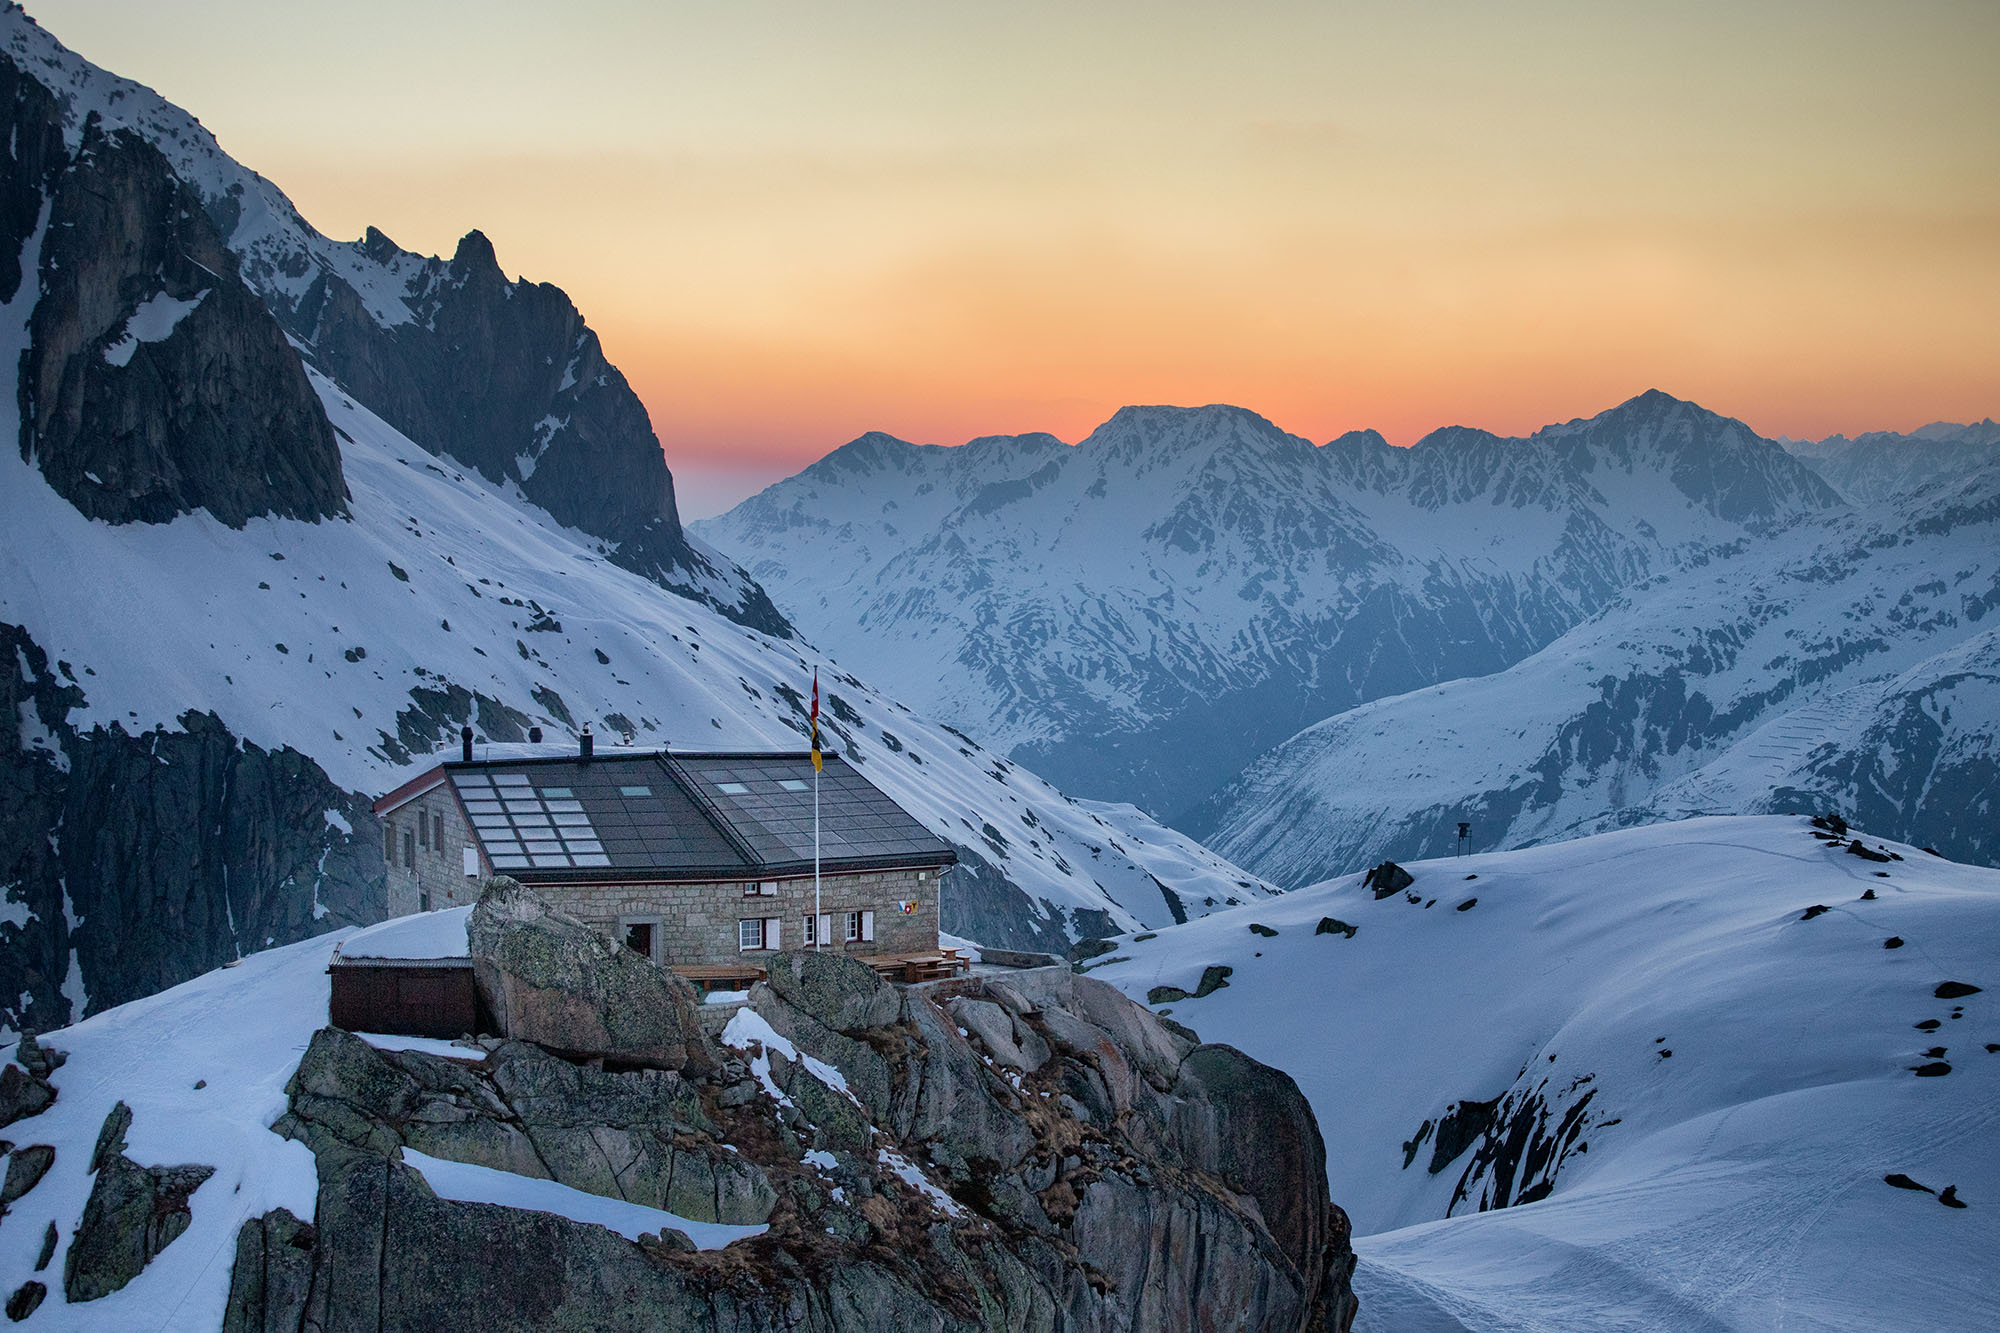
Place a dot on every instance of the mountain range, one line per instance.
(1141, 614)
(1850, 664)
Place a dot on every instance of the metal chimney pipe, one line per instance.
(465, 743)
(586, 744)
(534, 735)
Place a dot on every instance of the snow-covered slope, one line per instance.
(1882, 465)
(1140, 614)
(1850, 664)
(1688, 1041)
(366, 642)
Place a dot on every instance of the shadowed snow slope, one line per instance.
(1697, 1080)
(1851, 663)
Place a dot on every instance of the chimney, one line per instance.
(534, 735)
(465, 743)
(585, 744)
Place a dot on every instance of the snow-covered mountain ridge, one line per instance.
(1882, 465)
(236, 602)
(1142, 612)
(505, 376)
(1697, 1044)
(1849, 664)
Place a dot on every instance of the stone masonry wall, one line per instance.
(697, 923)
(439, 870)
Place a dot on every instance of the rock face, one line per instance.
(507, 378)
(155, 383)
(177, 850)
(1076, 1165)
(550, 979)
(132, 1214)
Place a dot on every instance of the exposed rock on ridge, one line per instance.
(1119, 1176)
(156, 383)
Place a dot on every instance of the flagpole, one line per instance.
(818, 920)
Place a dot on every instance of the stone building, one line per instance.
(690, 858)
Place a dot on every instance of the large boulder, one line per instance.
(834, 990)
(550, 979)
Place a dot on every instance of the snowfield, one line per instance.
(239, 1032)
(1736, 1183)
(1739, 1078)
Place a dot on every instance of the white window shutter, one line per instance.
(472, 863)
(826, 929)
(867, 925)
(774, 929)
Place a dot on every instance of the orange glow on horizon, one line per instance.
(791, 225)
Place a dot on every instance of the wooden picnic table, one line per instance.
(706, 977)
(914, 967)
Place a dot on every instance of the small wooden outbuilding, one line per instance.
(410, 977)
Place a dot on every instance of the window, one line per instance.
(635, 791)
(767, 889)
(409, 850)
(758, 933)
(389, 842)
(639, 937)
(791, 784)
(808, 937)
(423, 830)
(437, 834)
(818, 929)
(731, 788)
(853, 926)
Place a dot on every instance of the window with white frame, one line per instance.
(760, 889)
(759, 933)
(860, 927)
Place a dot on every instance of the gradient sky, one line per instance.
(791, 222)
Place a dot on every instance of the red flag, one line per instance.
(815, 720)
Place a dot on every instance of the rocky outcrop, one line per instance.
(550, 979)
(1060, 1161)
(155, 383)
(133, 1213)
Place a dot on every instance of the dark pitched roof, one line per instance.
(678, 816)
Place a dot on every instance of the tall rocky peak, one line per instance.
(155, 383)
(508, 379)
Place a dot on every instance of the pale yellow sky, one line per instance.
(793, 222)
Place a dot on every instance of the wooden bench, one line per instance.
(706, 977)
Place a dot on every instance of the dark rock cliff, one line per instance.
(156, 383)
(134, 862)
(508, 379)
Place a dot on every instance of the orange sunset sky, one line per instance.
(793, 222)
